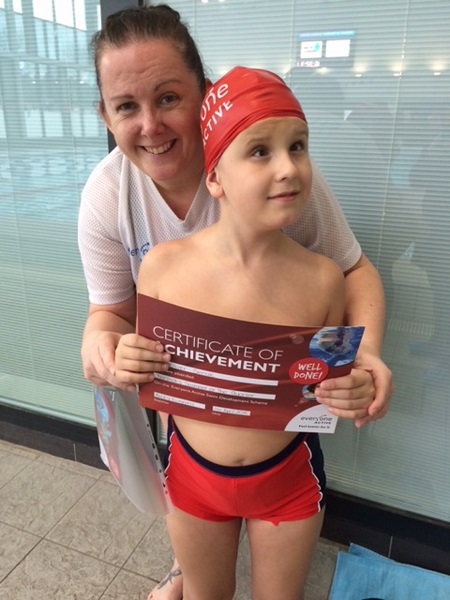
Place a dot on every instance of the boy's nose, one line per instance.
(286, 167)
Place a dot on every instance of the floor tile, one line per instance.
(53, 572)
(42, 493)
(20, 450)
(129, 586)
(103, 524)
(72, 465)
(153, 555)
(322, 570)
(243, 570)
(107, 476)
(12, 463)
(15, 545)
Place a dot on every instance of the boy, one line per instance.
(244, 267)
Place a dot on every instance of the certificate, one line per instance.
(243, 374)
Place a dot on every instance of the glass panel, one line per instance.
(43, 9)
(45, 159)
(373, 78)
(64, 12)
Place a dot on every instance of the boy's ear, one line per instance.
(214, 185)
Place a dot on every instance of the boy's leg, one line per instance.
(281, 556)
(207, 554)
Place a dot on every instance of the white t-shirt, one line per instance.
(122, 215)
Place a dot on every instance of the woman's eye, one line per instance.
(169, 99)
(126, 107)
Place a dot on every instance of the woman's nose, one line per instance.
(151, 122)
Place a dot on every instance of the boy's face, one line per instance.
(265, 173)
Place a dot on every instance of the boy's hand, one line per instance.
(136, 360)
(363, 395)
(349, 396)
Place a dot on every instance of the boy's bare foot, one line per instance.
(169, 588)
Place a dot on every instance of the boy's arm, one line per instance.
(137, 357)
(365, 393)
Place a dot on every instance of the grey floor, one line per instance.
(67, 531)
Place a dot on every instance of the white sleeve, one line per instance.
(105, 259)
(323, 227)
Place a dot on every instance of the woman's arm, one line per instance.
(109, 327)
(103, 329)
(364, 302)
(364, 394)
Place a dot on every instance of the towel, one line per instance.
(362, 574)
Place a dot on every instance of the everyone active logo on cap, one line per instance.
(237, 100)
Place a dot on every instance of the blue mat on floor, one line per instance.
(364, 575)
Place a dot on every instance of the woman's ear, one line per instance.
(104, 115)
(214, 185)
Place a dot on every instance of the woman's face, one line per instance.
(152, 107)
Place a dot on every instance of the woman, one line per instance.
(151, 188)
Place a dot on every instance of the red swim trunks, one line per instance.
(287, 487)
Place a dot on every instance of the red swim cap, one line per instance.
(237, 100)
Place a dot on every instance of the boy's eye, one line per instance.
(298, 146)
(258, 152)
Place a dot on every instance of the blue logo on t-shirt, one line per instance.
(139, 252)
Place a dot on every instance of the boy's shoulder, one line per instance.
(316, 265)
(163, 250)
(163, 253)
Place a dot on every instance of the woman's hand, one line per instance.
(98, 356)
(110, 329)
(382, 380)
(121, 360)
(136, 360)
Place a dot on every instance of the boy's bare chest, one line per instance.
(283, 296)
